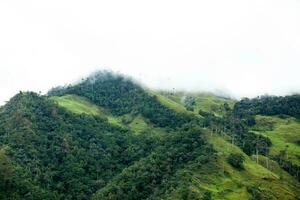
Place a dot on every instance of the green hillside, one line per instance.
(231, 183)
(107, 137)
(207, 102)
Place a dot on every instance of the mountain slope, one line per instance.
(106, 137)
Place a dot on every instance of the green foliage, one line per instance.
(255, 192)
(6, 172)
(189, 102)
(207, 196)
(259, 194)
(236, 160)
(150, 176)
(269, 105)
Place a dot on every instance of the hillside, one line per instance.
(223, 181)
(107, 137)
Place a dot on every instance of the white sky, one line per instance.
(244, 47)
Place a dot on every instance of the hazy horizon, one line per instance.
(240, 47)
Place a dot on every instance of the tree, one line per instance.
(236, 160)
(189, 102)
(227, 107)
(6, 169)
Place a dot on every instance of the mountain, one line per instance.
(107, 137)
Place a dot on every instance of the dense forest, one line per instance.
(59, 155)
(49, 152)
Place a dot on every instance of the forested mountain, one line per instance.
(107, 137)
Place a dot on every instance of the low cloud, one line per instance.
(242, 47)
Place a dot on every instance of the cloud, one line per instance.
(247, 47)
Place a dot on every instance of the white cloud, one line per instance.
(247, 47)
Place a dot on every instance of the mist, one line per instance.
(237, 47)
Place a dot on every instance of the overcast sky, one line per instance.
(243, 47)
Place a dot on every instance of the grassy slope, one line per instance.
(284, 133)
(77, 104)
(172, 103)
(205, 101)
(211, 103)
(81, 105)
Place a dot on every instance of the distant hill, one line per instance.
(107, 137)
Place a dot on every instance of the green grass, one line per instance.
(173, 104)
(114, 120)
(141, 125)
(77, 104)
(284, 133)
(138, 124)
(211, 103)
(80, 105)
(207, 102)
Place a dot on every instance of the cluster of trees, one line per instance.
(236, 160)
(269, 105)
(238, 130)
(122, 96)
(189, 102)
